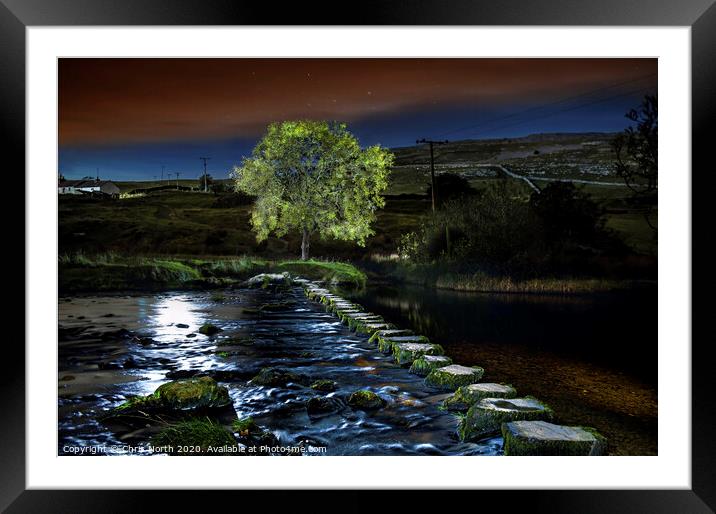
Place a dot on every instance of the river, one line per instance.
(593, 358)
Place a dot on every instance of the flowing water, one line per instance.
(114, 347)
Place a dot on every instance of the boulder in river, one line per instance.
(366, 400)
(324, 385)
(449, 378)
(405, 353)
(425, 364)
(208, 329)
(198, 394)
(485, 418)
(277, 377)
(319, 405)
(466, 396)
(267, 280)
(543, 438)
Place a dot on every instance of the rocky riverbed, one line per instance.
(293, 373)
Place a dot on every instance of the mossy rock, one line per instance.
(366, 400)
(371, 328)
(251, 434)
(324, 385)
(208, 329)
(270, 280)
(405, 353)
(466, 396)
(543, 438)
(485, 418)
(320, 405)
(277, 306)
(354, 323)
(425, 364)
(277, 377)
(392, 332)
(449, 378)
(193, 394)
(245, 426)
(385, 344)
(202, 434)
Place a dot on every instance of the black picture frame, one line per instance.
(700, 15)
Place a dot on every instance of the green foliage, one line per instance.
(637, 157)
(202, 435)
(566, 213)
(504, 231)
(490, 229)
(450, 186)
(313, 177)
(329, 271)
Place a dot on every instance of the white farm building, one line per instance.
(78, 187)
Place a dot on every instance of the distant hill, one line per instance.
(555, 155)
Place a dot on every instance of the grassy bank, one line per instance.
(443, 277)
(79, 272)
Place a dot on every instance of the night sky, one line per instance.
(128, 117)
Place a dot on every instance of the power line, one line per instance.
(547, 115)
(539, 107)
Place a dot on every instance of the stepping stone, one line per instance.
(388, 333)
(353, 323)
(485, 418)
(370, 328)
(543, 438)
(385, 344)
(466, 396)
(425, 364)
(453, 376)
(406, 353)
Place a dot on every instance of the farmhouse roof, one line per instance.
(84, 183)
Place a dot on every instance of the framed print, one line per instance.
(427, 243)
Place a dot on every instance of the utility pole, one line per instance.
(433, 189)
(162, 181)
(177, 174)
(432, 164)
(205, 159)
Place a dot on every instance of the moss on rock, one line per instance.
(449, 378)
(485, 418)
(543, 438)
(366, 400)
(405, 353)
(395, 332)
(208, 329)
(323, 405)
(194, 394)
(466, 396)
(324, 385)
(425, 364)
(277, 377)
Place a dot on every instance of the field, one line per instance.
(196, 224)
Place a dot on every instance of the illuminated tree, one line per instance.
(313, 177)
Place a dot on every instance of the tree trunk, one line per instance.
(305, 245)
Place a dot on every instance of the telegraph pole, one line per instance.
(177, 174)
(432, 164)
(205, 159)
(162, 181)
(433, 189)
